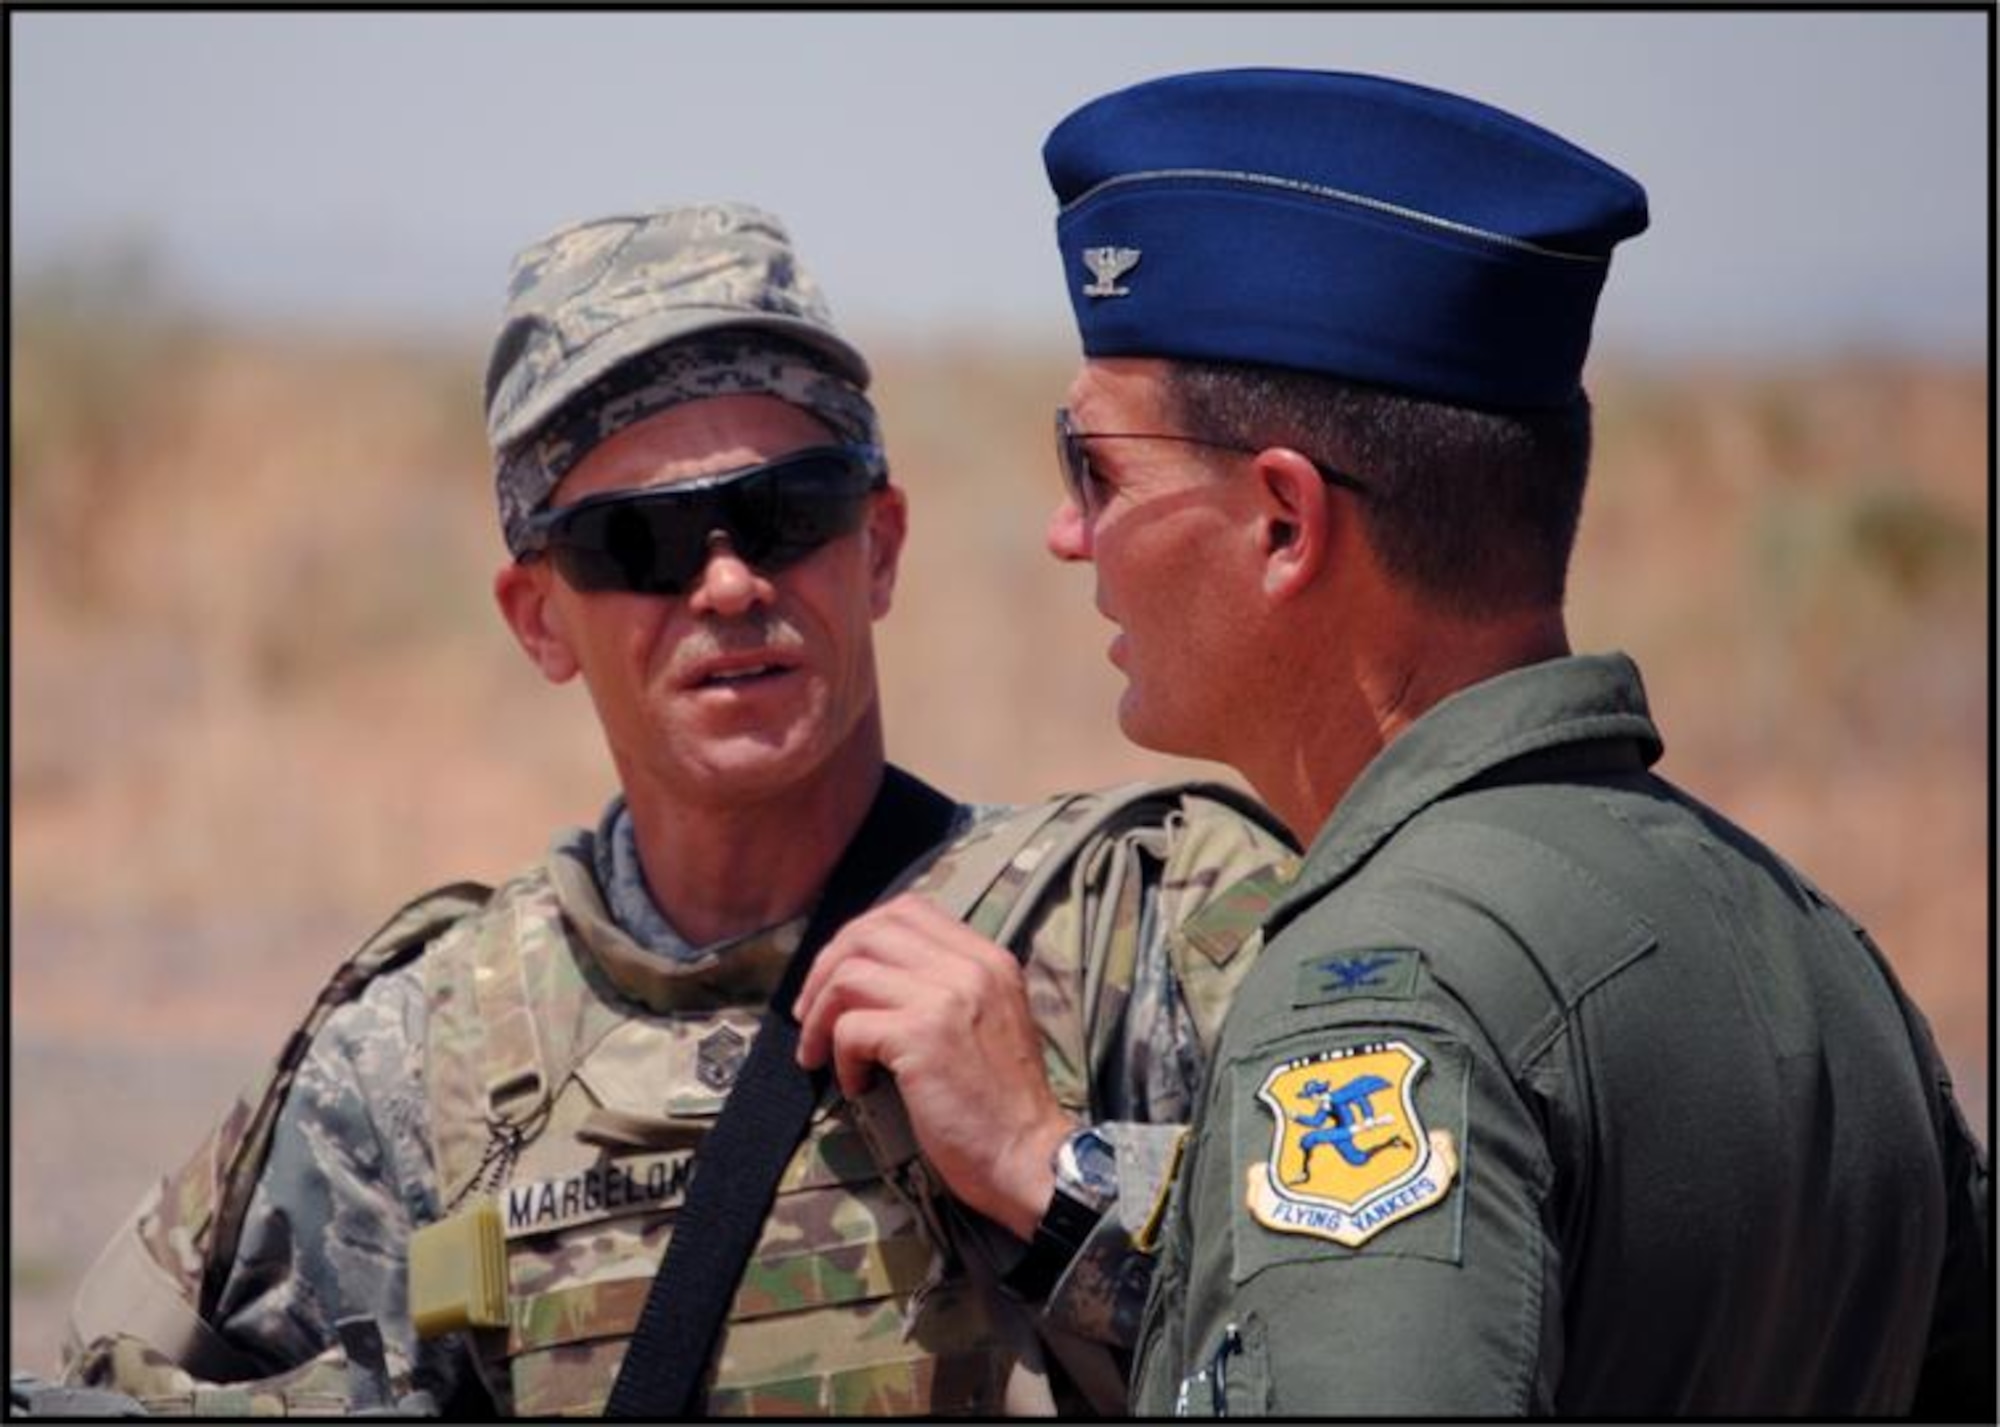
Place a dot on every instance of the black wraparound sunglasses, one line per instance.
(656, 541)
(1081, 482)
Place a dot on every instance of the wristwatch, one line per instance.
(1085, 1167)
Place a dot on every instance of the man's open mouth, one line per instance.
(749, 674)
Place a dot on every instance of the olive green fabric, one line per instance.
(1635, 1120)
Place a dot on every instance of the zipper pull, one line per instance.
(1218, 1374)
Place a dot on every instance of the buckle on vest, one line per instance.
(458, 1273)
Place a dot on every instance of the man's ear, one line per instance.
(526, 602)
(888, 524)
(1293, 514)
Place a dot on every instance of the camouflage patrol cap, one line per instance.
(593, 299)
(593, 295)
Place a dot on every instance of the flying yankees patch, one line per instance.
(1348, 1157)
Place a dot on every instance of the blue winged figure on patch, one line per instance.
(1349, 1156)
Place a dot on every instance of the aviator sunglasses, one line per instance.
(657, 541)
(1082, 483)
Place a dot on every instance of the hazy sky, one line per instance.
(1815, 177)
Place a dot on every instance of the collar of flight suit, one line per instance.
(1573, 700)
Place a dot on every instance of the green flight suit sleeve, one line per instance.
(1370, 1226)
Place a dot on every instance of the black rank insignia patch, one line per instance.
(720, 1056)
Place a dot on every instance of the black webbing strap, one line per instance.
(746, 1150)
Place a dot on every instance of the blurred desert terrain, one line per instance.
(260, 695)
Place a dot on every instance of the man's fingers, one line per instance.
(863, 983)
(860, 1042)
(920, 918)
(918, 940)
(889, 932)
(858, 986)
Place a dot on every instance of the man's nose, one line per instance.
(1068, 536)
(728, 584)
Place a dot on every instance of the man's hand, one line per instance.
(945, 1011)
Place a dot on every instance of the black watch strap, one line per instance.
(1059, 1237)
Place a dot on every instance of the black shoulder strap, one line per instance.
(744, 1153)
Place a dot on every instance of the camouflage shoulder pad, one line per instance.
(1244, 805)
(238, 1147)
(1070, 824)
(1220, 929)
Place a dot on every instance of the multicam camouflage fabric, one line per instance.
(165, 1389)
(536, 1053)
(369, 1381)
(829, 1312)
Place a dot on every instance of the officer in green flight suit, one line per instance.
(1552, 1092)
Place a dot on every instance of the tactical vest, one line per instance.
(571, 1078)
(142, 1319)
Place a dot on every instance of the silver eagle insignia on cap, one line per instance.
(1108, 265)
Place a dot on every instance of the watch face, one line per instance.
(1087, 1166)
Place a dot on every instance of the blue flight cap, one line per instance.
(1337, 223)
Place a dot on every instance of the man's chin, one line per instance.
(1142, 726)
(750, 765)
(771, 763)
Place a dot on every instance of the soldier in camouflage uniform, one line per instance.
(460, 1179)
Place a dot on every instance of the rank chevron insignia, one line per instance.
(1107, 265)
